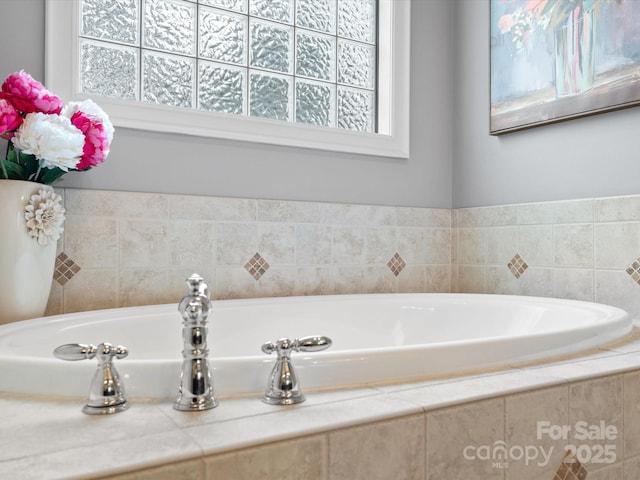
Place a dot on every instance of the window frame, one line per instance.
(391, 140)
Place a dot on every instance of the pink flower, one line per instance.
(10, 119)
(28, 95)
(93, 110)
(506, 22)
(96, 144)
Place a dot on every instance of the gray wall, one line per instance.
(150, 162)
(588, 157)
(454, 161)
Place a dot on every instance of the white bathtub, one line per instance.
(376, 339)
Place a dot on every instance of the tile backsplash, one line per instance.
(123, 249)
(581, 249)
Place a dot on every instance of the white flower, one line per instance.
(51, 138)
(91, 109)
(44, 216)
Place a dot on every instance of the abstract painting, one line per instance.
(554, 60)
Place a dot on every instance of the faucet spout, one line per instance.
(196, 383)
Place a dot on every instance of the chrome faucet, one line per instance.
(196, 384)
(283, 387)
(106, 394)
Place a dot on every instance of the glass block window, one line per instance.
(306, 61)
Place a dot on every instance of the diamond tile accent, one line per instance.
(256, 266)
(570, 468)
(396, 264)
(65, 269)
(517, 265)
(634, 271)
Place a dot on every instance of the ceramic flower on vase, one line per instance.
(45, 140)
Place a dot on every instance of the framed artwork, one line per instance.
(554, 60)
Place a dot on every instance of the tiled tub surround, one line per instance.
(425, 431)
(583, 249)
(124, 249)
(132, 249)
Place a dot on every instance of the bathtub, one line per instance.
(377, 339)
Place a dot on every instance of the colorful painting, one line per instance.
(553, 60)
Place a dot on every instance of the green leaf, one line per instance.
(15, 171)
(31, 165)
(12, 156)
(51, 176)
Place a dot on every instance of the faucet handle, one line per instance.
(106, 394)
(284, 346)
(80, 351)
(197, 285)
(75, 351)
(283, 387)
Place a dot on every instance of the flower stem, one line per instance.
(37, 174)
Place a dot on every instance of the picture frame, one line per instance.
(555, 60)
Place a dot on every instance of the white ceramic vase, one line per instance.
(26, 267)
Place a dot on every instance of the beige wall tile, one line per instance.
(314, 281)
(537, 282)
(312, 212)
(142, 205)
(381, 244)
(617, 209)
(276, 243)
(437, 246)
(349, 245)
(277, 282)
(574, 283)
(616, 287)
(382, 451)
(632, 415)
(144, 244)
(92, 242)
(472, 279)
(502, 244)
(571, 211)
(487, 216)
(617, 245)
(472, 246)
(630, 469)
(313, 244)
(412, 244)
(527, 416)
(220, 209)
(92, 289)
(500, 280)
(535, 245)
(614, 472)
(91, 202)
(573, 245)
(144, 287)
(424, 217)
(189, 470)
(363, 279)
(274, 210)
(192, 245)
(234, 282)
(593, 402)
(472, 426)
(236, 243)
(438, 279)
(299, 459)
